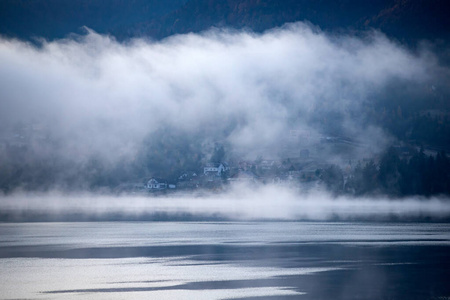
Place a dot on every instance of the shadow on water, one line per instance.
(362, 272)
(328, 261)
(411, 281)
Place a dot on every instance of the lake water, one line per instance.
(224, 260)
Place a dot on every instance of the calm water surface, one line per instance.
(163, 260)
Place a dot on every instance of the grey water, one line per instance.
(224, 260)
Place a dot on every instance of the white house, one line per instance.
(215, 169)
(156, 184)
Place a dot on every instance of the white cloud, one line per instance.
(98, 94)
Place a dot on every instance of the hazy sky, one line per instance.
(103, 97)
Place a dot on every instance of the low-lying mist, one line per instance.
(88, 112)
(242, 203)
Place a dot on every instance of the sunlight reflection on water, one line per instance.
(209, 260)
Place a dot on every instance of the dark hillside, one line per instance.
(260, 15)
(405, 20)
(414, 19)
(53, 19)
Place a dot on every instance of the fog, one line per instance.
(86, 121)
(242, 203)
(96, 96)
(90, 96)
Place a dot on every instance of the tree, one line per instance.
(333, 179)
(389, 175)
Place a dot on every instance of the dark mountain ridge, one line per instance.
(54, 19)
(406, 20)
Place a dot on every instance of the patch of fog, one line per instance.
(267, 202)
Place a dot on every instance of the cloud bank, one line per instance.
(242, 204)
(98, 96)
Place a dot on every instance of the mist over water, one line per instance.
(91, 96)
(85, 121)
(262, 203)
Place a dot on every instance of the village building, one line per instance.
(187, 176)
(155, 184)
(189, 180)
(215, 169)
